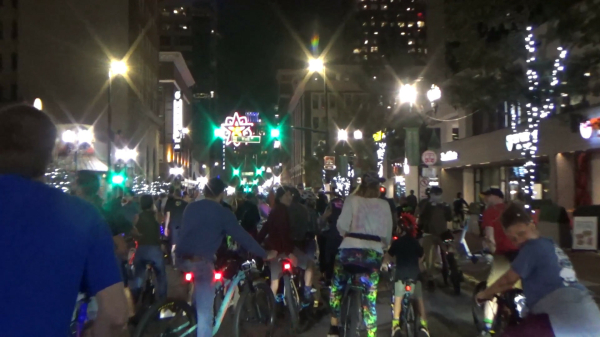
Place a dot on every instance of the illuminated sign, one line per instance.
(177, 120)
(237, 130)
(429, 157)
(521, 140)
(589, 128)
(449, 156)
(380, 157)
(378, 136)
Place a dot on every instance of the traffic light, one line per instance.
(275, 133)
(236, 171)
(259, 171)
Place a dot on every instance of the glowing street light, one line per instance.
(37, 103)
(408, 94)
(186, 131)
(342, 135)
(176, 171)
(126, 154)
(117, 68)
(434, 94)
(358, 134)
(316, 65)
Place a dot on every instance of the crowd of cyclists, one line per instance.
(60, 245)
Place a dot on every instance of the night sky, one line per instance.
(255, 43)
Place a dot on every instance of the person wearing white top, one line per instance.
(366, 225)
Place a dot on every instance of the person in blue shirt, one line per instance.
(559, 305)
(58, 245)
(205, 225)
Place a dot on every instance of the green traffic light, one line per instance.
(236, 172)
(118, 179)
(275, 133)
(218, 133)
(259, 171)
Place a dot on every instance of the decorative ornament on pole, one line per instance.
(237, 129)
(358, 134)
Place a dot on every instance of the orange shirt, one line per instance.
(491, 218)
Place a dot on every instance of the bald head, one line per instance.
(27, 138)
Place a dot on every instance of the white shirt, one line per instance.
(371, 216)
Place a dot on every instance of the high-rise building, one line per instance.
(190, 27)
(388, 31)
(61, 52)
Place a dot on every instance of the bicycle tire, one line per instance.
(351, 314)
(292, 300)
(477, 310)
(455, 273)
(155, 310)
(259, 287)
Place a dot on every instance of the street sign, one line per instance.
(429, 157)
(329, 163)
(247, 174)
(246, 139)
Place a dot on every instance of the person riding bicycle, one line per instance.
(56, 245)
(275, 234)
(433, 220)
(205, 225)
(366, 225)
(147, 233)
(498, 243)
(303, 226)
(559, 305)
(247, 213)
(408, 254)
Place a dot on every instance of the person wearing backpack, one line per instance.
(433, 219)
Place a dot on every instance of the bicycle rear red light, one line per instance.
(218, 276)
(287, 266)
(395, 238)
(189, 277)
(408, 287)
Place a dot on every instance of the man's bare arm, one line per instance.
(112, 311)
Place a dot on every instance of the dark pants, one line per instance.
(152, 255)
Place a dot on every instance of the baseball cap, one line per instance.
(372, 178)
(216, 186)
(494, 191)
(436, 190)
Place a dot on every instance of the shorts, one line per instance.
(400, 289)
(499, 267)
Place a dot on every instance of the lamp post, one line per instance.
(316, 65)
(116, 68)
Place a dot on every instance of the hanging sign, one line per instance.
(585, 232)
(237, 130)
(429, 158)
(177, 120)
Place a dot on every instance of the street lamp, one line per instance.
(342, 135)
(117, 67)
(126, 154)
(358, 134)
(434, 94)
(316, 65)
(407, 94)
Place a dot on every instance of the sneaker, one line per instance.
(334, 331)
(423, 332)
(397, 331)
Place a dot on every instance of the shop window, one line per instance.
(384, 7)
(364, 7)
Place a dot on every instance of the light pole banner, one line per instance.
(411, 146)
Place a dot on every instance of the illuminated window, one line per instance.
(374, 49)
(356, 51)
(424, 50)
(403, 33)
(372, 23)
(364, 24)
(420, 23)
(411, 42)
(365, 57)
(366, 41)
(365, 7)
(401, 24)
(410, 24)
(384, 7)
(383, 24)
(411, 50)
(376, 33)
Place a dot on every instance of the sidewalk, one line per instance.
(586, 265)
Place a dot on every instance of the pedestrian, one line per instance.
(54, 250)
(412, 201)
(174, 220)
(458, 205)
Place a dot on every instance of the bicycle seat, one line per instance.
(408, 281)
(355, 269)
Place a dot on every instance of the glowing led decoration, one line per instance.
(238, 129)
(177, 119)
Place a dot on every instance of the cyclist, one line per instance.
(409, 254)
(499, 244)
(57, 244)
(303, 226)
(559, 305)
(433, 220)
(205, 224)
(147, 232)
(366, 225)
(173, 219)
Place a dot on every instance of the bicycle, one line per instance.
(232, 278)
(409, 316)
(510, 311)
(352, 323)
(83, 315)
(450, 269)
(292, 281)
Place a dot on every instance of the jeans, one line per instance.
(152, 255)
(204, 293)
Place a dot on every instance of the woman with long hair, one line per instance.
(366, 225)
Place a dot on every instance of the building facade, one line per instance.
(61, 52)
(175, 110)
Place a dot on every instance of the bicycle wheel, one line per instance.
(351, 317)
(455, 273)
(167, 318)
(292, 301)
(255, 312)
(477, 310)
